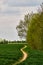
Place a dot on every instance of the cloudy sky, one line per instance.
(11, 12)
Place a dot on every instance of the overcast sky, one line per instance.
(11, 12)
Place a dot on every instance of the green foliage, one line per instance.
(10, 53)
(4, 42)
(23, 26)
(18, 42)
(35, 57)
(35, 32)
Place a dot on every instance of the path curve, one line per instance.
(24, 56)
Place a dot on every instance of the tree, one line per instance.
(40, 10)
(35, 32)
(23, 26)
(42, 7)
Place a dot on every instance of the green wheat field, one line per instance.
(10, 53)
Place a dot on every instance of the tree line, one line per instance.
(11, 42)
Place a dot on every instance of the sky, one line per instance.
(11, 12)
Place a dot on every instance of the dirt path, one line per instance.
(24, 56)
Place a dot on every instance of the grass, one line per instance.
(10, 53)
(35, 57)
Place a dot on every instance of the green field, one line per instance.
(35, 57)
(10, 53)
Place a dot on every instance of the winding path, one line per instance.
(24, 56)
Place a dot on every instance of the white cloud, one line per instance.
(7, 6)
(8, 27)
(8, 22)
(3, 5)
(24, 2)
(11, 15)
(18, 10)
